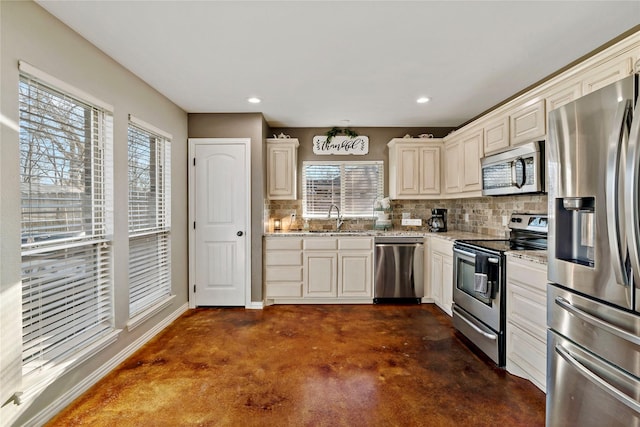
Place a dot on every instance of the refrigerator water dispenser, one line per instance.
(576, 223)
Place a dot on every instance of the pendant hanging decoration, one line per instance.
(334, 143)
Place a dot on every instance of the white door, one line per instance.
(220, 214)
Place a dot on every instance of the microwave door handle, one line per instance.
(524, 172)
(612, 193)
(632, 214)
(514, 174)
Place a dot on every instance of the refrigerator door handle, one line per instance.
(612, 195)
(632, 215)
(597, 322)
(595, 379)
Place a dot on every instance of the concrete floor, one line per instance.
(308, 365)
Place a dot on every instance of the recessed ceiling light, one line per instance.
(254, 100)
(423, 100)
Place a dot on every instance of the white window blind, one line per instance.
(65, 160)
(351, 185)
(149, 217)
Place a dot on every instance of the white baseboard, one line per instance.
(255, 305)
(64, 400)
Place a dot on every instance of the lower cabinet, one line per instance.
(283, 267)
(319, 269)
(527, 320)
(441, 272)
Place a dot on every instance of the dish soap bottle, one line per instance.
(305, 226)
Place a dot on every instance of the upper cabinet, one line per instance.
(496, 134)
(607, 73)
(563, 95)
(282, 168)
(527, 122)
(462, 163)
(414, 168)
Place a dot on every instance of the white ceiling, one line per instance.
(316, 64)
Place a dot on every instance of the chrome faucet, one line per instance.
(339, 221)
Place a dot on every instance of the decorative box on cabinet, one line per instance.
(414, 168)
(282, 167)
(527, 320)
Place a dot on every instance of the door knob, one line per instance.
(239, 233)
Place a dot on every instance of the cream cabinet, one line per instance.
(283, 267)
(563, 95)
(441, 272)
(414, 168)
(452, 170)
(282, 167)
(462, 156)
(338, 268)
(528, 122)
(527, 320)
(496, 134)
(607, 73)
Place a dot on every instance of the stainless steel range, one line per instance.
(479, 274)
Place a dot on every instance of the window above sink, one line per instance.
(351, 185)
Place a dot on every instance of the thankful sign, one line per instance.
(340, 144)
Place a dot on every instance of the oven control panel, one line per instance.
(530, 222)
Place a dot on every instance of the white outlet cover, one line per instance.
(413, 221)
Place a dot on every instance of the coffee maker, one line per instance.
(438, 220)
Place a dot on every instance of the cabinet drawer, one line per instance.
(356, 243)
(321, 243)
(284, 274)
(283, 258)
(276, 289)
(531, 273)
(283, 243)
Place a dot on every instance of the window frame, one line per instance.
(345, 196)
(149, 241)
(78, 266)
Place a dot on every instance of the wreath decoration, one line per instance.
(337, 131)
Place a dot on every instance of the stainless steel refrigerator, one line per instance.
(593, 303)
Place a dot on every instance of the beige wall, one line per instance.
(242, 125)
(31, 34)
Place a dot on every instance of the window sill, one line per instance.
(142, 317)
(37, 381)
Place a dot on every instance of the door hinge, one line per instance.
(194, 161)
(194, 289)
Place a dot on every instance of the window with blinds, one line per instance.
(149, 217)
(65, 160)
(352, 186)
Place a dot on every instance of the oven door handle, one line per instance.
(464, 253)
(492, 260)
(492, 337)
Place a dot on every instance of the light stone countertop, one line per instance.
(539, 256)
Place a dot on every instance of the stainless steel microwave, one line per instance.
(518, 170)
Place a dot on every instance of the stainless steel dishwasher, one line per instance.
(399, 269)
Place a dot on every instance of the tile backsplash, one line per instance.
(484, 215)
